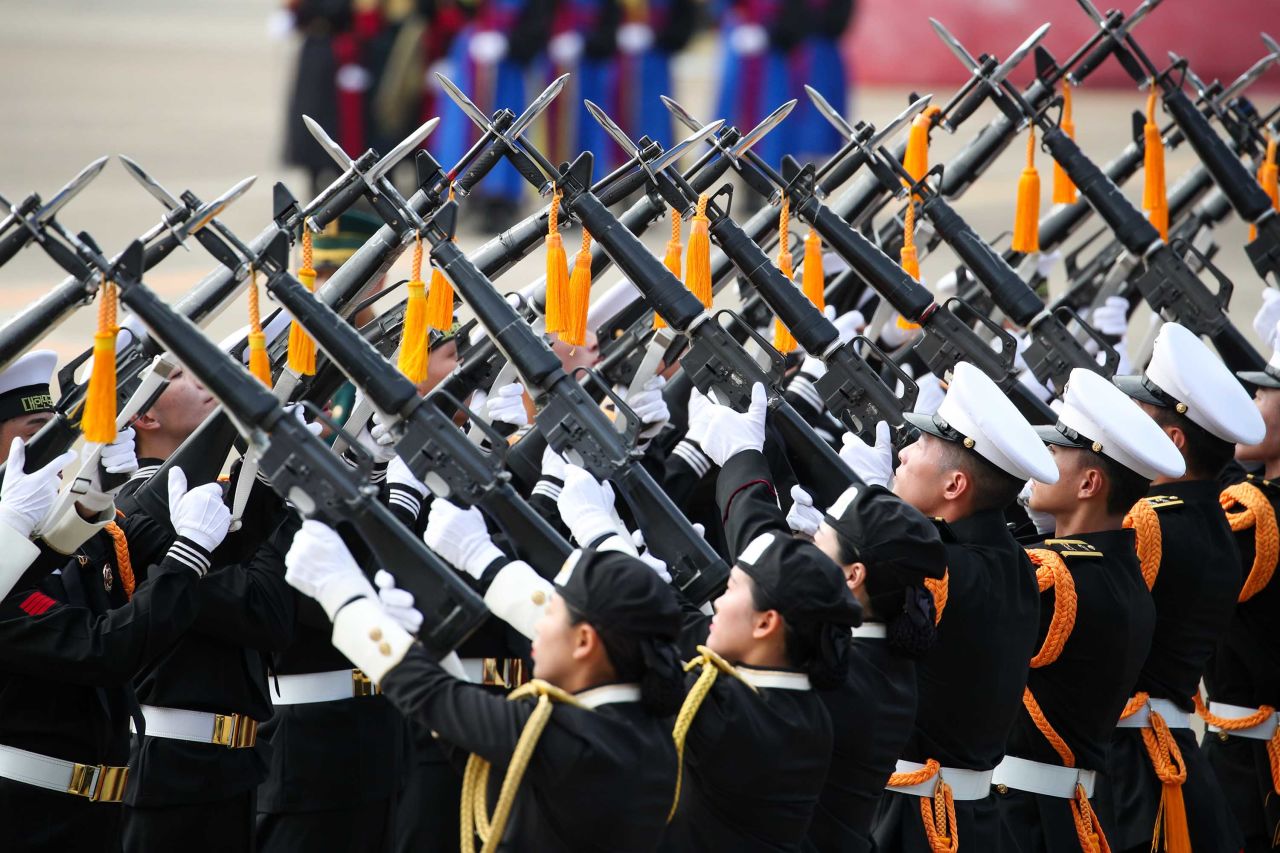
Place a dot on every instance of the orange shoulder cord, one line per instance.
(939, 588)
(123, 564)
(1261, 516)
(1144, 522)
(783, 341)
(1052, 573)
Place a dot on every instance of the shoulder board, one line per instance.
(1072, 547)
(1159, 502)
(1262, 483)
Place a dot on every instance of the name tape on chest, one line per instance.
(1072, 547)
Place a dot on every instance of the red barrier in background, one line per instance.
(891, 41)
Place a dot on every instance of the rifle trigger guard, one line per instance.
(1111, 358)
(1226, 287)
(498, 446)
(1008, 346)
(625, 421)
(777, 361)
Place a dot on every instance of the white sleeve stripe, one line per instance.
(190, 557)
(805, 390)
(696, 459)
(405, 499)
(547, 490)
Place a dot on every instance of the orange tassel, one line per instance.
(440, 297)
(783, 341)
(557, 297)
(413, 340)
(99, 420)
(259, 364)
(575, 330)
(1064, 191)
(1155, 200)
(910, 260)
(302, 349)
(671, 260)
(1269, 179)
(698, 261)
(916, 158)
(812, 279)
(1026, 219)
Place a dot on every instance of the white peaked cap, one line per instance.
(976, 413)
(1185, 375)
(1099, 416)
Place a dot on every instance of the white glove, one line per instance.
(398, 474)
(849, 324)
(460, 537)
(873, 463)
(1045, 262)
(635, 38)
(1109, 317)
(947, 286)
(730, 432)
(1264, 322)
(200, 514)
(319, 565)
(586, 507)
(749, 39)
(893, 335)
(1043, 521)
(397, 602)
(931, 394)
(566, 47)
(650, 407)
(803, 517)
(120, 457)
(487, 47)
(701, 407)
(25, 499)
(553, 464)
(506, 406)
(647, 557)
(300, 414)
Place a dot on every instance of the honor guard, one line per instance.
(1096, 614)
(969, 463)
(581, 757)
(1157, 780)
(1242, 679)
(755, 737)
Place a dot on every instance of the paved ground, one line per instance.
(196, 94)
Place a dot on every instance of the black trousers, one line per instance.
(363, 828)
(427, 814)
(1243, 768)
(41, 821)
(221, 826)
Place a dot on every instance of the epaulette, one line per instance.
(1072, 547)
(1262, 483)
(1159, 502)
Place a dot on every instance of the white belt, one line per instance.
(234, 731)
(95, 782)
(1174, 717)
(317, 687)
(1264, 730)
(965, 784)
(1035, 777)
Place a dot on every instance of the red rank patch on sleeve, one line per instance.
(37, 603)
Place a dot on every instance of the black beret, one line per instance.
(887, 534)
(618, 592)
(799, 581)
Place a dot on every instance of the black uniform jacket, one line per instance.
(1195, 597)
(246, 611)
(871, 713)
(1083, 692)
(599, 779)
(971, 681)
(1245, 671)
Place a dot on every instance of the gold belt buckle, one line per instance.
(504, 672)
(361, 685)
(98, 782)
(235, 731)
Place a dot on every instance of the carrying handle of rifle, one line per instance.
(1008, 346)
(363, 458)
(449, 405)
(777, 361)
(625, 420)
(865, 347)
(1183, 247)
(1110, 357)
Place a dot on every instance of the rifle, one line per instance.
(15, 234)
(304, 471)
(573, 424)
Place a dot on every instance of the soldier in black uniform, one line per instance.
(66, 660)
(967, 466)
(1243, 675)
(758, 747)
(1195, 574)
(1107, 451)
(602, 773)
(885, 549)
